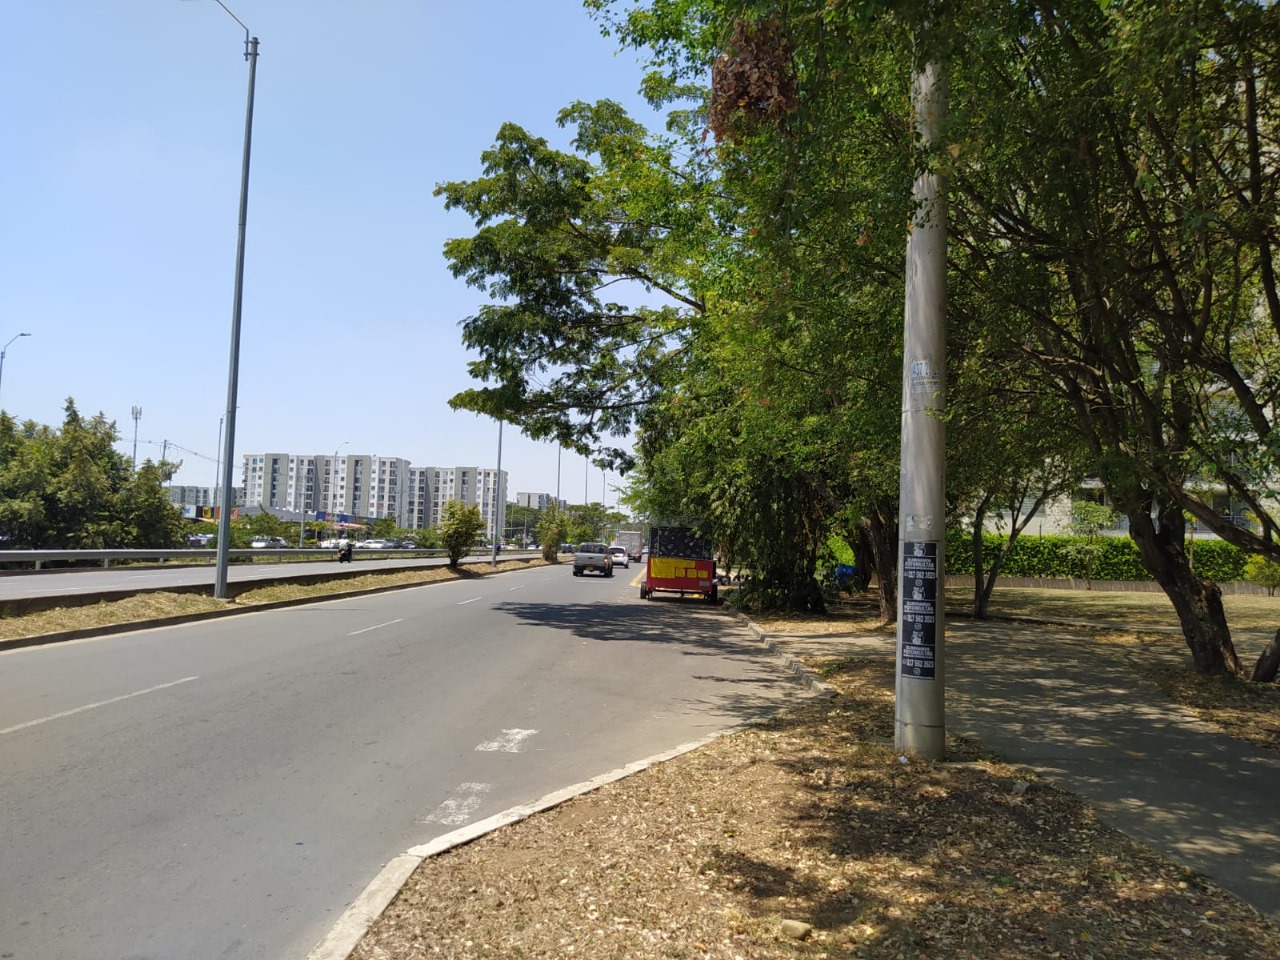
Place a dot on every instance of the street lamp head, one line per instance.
(239, 21)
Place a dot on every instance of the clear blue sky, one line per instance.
(124, 124)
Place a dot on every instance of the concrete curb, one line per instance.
(130, 626)
(355, 922)
(810, 681)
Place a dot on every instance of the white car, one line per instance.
(620, 558)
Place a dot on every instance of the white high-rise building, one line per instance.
(372, 487)
(537, 501)
(481, 486)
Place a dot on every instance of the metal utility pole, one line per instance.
(559, 450)
(136, 413)
(920, 721)
(497, 489)
(333, 487)
(217, 475)
(6, 350)
(233, 366)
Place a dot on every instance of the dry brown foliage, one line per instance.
(753, 80)
(811, 818)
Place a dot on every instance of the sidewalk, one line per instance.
(1049, 698)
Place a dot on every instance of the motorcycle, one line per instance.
(344, 553)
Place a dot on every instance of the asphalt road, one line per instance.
(44, 583)
(226, 788)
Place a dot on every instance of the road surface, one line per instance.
(45, 583)
(226, 788)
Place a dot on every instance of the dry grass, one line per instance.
(137, 609)
(811, 818)
(147, 607)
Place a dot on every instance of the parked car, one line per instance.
(620, 556)
(273, 543)
(376, 545)
(592, 556)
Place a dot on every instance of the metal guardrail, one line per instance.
(40, 557)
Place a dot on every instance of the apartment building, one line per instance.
(372, 486)
(472, 485)
(203, 496)
(281, 480)
(537, 501)
(191, 496)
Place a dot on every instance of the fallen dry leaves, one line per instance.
(811, 818)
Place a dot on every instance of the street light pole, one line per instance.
(497, 484)
(333, 485)
(217, 473)
(6, 350)
(233, 367)
(136, 412)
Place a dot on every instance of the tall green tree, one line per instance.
(69, 488)
(460, 525)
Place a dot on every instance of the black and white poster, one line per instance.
(919, 609)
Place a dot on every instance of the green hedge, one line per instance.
(1117, 557)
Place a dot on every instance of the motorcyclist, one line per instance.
(344, 549)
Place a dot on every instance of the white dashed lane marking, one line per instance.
(459, 807)
(511, 741)
(376, 626)
(464, 602)
(94, 706)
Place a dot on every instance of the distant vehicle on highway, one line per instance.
(632, 540)
(619, 554)
(377, 545)
(592, 556)
(273, 543)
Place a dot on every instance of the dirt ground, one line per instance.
(807, 836)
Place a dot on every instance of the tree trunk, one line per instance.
(1198, 601)
(884, 546)
(864, 559)
(1264, 671)
(980, 596)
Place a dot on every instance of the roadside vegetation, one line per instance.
(1113, 310)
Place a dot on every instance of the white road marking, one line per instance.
(521, 587)
(91, 706)
(458, 808)
(463, 603)
(376, 626)
(509, 742)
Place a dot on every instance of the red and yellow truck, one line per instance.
(679, 562)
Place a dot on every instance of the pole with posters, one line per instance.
(920, 720)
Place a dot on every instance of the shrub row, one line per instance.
(1063, 556)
